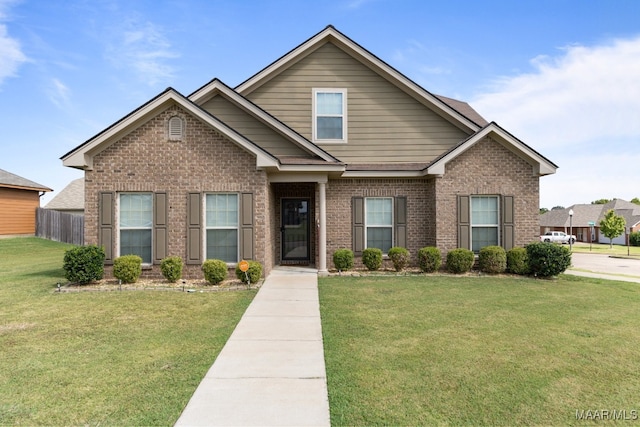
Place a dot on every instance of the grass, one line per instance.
(424, 350)
(604, 249)
(100, 358)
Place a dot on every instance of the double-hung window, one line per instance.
(379, 223)
(329, 115)
(222, 227)
(136, 224)
(484, 222)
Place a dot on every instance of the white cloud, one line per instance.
(580, 109)
(11, 55)
(143, 48)
(58, 93)
(587, 93)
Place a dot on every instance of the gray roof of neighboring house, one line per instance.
(70, 198)
(583, 214)
(8, 179)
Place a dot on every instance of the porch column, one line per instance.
(322, 232)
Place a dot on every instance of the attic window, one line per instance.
(176, 128)
(329, 115)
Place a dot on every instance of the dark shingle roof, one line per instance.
(8, 179)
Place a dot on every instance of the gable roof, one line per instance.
(10, 180)
(82, 156)
(331, 35)
(217, 87)
(585, 213)
(543, 165)
(70, 197)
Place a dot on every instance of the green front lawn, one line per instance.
(425, 350)
(100, 358)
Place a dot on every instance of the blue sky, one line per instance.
(561, 75)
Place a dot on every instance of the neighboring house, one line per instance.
(584, 215)
(19, 198)
(328, 147)
(70, 199)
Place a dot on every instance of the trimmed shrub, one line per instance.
(127, 268)
(84, 264)
(634, 238)
(547, 259)
(343, 259)
(460, 260)
(171, 268)
(372, 258)
(429, 259)
(399, 257)
(517, 261)
(215, 271)
(254, 272)
(492, 259)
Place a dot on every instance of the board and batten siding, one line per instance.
(18, 211)
(251, 128)
(385, 124)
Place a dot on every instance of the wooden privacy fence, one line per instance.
(60, 226)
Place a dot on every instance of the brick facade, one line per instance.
(146, 160)
(487, 168)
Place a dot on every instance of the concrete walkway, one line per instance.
(271, 372)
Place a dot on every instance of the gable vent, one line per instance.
(176, 128)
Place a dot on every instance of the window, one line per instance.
(136, 223)
(176, 128)
(379, 223)
(484, 222)
(329, 115)
(222, 227)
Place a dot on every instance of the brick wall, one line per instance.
(487, 168)
(146, 160)
(419, 211)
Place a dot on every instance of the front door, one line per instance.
(295, 229)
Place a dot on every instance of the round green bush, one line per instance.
(547, 259)
(429, 259)
(84, 264)
(517, 262)
(215, 271)
(634, 238)
(460, 260)
(253, 274)
(127, 268)
(343, 259)
(492, 259)
(399, 257)
(171, 268)
(372, 258)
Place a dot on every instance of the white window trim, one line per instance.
(119, 228)
(472, 225)
(314, 123)
(367, 226)
(206, 227)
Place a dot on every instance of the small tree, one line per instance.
(635, 201)
(612, 226)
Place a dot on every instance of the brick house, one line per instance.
(328, 147)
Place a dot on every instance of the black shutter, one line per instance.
(105, 224)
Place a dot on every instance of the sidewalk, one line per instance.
(271, 372)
